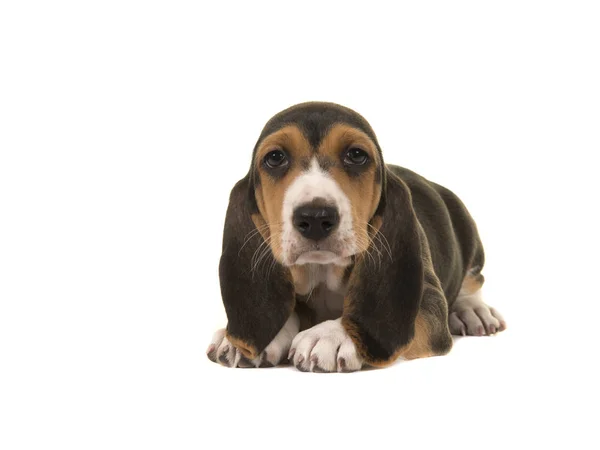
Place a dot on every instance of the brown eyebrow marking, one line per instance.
(342, 135)
(290, 138)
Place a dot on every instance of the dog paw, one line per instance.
(326, 347)
(470, 316)
(223, 352)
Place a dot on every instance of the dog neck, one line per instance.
(322, 288)
(309, 276)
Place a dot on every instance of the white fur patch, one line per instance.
(326, 347)
(316, 183)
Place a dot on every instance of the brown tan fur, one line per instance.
(303, 281)
(471, 283)
(363, 191)
(248, 350)
(418, 347)
(301, 276)
(269, 193)
(353, 332)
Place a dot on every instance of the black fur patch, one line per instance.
(385, 302)
(315, 119)
(384, 298)
(450, 231)
(256, 308)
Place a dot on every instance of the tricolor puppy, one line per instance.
(333, 259)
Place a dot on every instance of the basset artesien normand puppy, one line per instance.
(333, 259)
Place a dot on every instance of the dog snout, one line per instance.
(315, 221)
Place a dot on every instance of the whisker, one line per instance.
(250, 235)
(377, 234)
(262, 255)
(258, 253)
(366, 244)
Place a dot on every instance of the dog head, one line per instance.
(316, 184)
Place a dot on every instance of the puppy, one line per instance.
(333, 259)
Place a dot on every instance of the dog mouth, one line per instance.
(317, 257)
(321, 253)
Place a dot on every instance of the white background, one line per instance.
(123, 126)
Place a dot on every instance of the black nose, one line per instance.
(316, 222)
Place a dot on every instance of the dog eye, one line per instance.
(356, 156)
(276, 158)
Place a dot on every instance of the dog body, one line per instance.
(340, 259)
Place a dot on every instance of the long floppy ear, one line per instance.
(382, 307)
(258, 292)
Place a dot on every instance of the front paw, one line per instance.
(225, 353)
(326, 347)
(222, 351)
